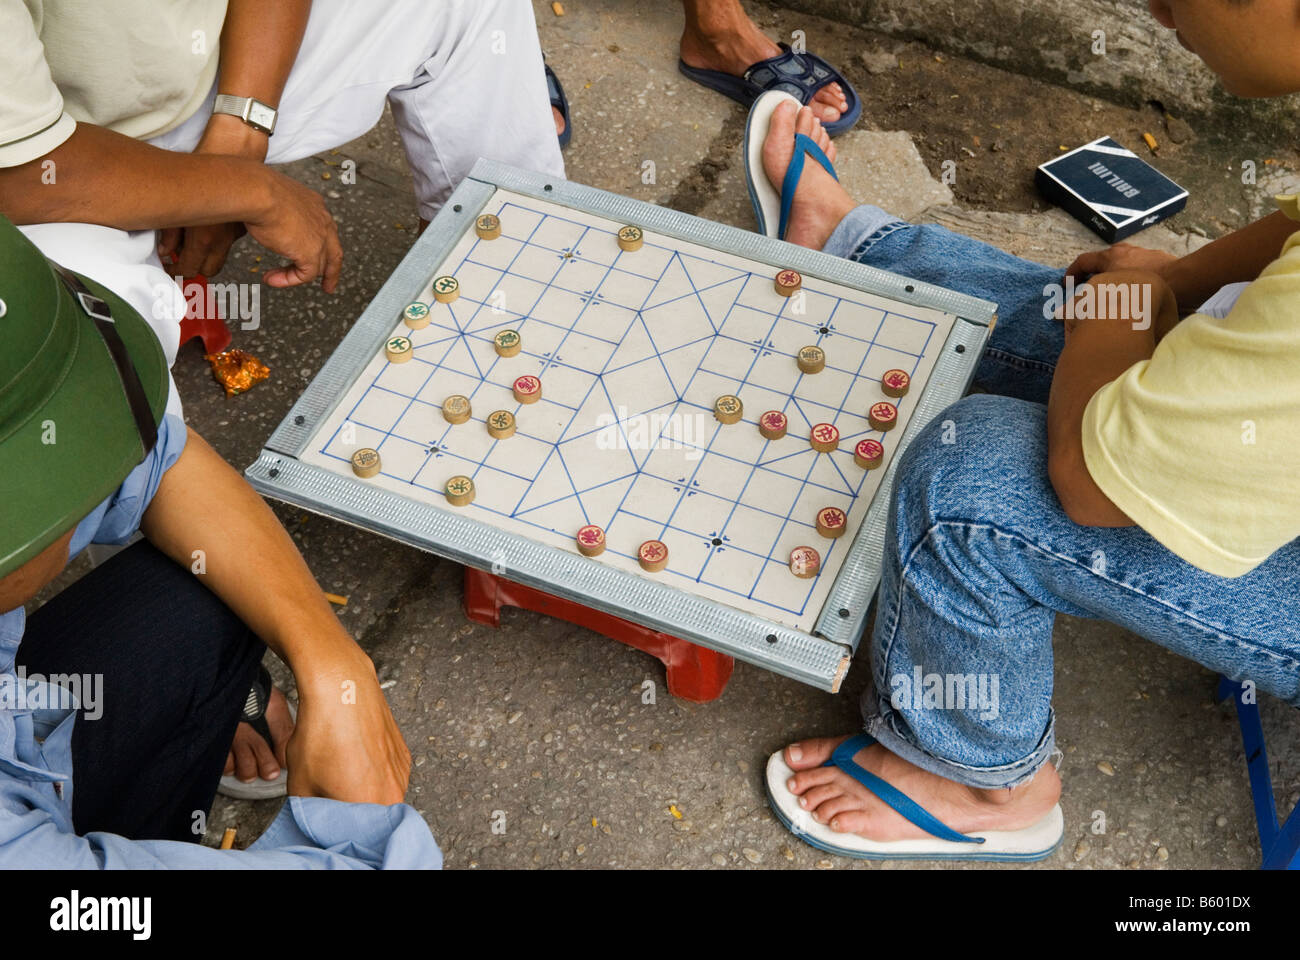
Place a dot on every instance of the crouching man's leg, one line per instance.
(164, 668)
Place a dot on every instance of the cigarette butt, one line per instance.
(558, 8)
(1151, 141)
(228, 839)
(335, 599)
(672, 808)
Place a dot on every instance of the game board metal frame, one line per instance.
(820, 657)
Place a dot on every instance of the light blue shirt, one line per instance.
(36, 775)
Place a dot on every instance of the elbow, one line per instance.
(1081, 499)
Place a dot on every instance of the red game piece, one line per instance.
(528, 389)
(805, 562)
(831, 522)
(882, 416)
(591, 540)
(824, 437)
(868, 454)
(895, 383)
(773, 424)
(653, 556)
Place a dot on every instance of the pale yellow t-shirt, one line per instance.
(1200, 445)
(139, 67)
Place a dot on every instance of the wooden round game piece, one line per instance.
(365, 462)
(456, 409)
(868, 454)
(805, 562)
(811, 359)
(501, 424)
(488, 227)
(416, 315)
(460, 491)
(397, 349)
(630, 238)
(590, 540)
(652, 555)
(882, 416)
(895, 383)
(824, 437)
(728, 409)
(446, 289)
(507, 343)
(787, 282)
(831, 522)
(528, 389)
(773, 424)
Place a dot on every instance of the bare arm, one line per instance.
(1096, 352)
(346, 745)
(1238, 257)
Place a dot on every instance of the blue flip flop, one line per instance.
(772, 210)
(1034, 842)
(798, 74)
(560, 102)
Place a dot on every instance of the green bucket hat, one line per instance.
(83, 385)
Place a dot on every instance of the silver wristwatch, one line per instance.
(255, 113)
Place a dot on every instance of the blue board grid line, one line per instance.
(552, 359)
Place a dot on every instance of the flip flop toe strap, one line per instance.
(804, 146)
(902, 804)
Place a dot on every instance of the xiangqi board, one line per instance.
(559, 382)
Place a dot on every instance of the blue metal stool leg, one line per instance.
(1279, 843)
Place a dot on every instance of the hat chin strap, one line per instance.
(100, 312)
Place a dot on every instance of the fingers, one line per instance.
(1094, 261)
(333, 262)
(169, 239)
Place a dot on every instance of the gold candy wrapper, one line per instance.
(237, 370)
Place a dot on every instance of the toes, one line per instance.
(245, 761)
(268, 768)
(836, 807)
(807, 779)
(230, 765)
(804, 122)
(817, 797)
(805, 754)
(851, 821)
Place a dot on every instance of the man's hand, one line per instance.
(347, 745)
(295, 223)
(203, 250)
(1122, 256)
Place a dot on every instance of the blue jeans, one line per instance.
(980, 557)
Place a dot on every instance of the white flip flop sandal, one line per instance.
(764, 196)
(1035, 842)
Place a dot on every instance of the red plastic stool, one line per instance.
(210, 329)
(695, 673)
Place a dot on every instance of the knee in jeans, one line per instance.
(973, 460)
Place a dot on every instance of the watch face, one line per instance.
(260, 115)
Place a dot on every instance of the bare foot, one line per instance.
(835, 799)
(728, 41)
(820, 203)
(559, 121)
(250, 756)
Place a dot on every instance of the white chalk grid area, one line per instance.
(633, 349)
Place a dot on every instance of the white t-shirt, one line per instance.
(139, 67)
